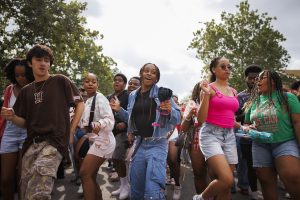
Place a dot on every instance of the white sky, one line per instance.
(160, 31)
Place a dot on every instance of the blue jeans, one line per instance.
(242, 168)
(147, 171)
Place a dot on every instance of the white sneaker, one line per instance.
(80, 189)
(124, 193)
(177, 192)
(287, 195)
(116, 192)
(254, 195)
(197, 197)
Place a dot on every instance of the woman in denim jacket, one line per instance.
(147, 171)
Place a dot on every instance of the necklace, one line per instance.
(38, 96)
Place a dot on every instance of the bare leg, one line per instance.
(9, 162)
(268, 180)
(224, 178)
(173, 162)
(288, 168)
(199, 169)
(88, 174)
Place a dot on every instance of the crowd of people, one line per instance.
(47, 121)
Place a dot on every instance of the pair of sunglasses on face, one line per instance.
(260, 78)
(224, 66)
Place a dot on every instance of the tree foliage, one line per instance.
(59, 25)
(245, 37)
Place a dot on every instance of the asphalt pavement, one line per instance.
(64, 189)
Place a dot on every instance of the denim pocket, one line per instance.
(159, 170)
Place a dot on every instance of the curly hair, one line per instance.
(280, 94)
(10, 70)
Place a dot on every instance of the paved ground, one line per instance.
(65, 190)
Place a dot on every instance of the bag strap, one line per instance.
(213, 87)
(92, 113)
(7, 94)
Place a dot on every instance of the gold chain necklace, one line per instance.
(38, 96)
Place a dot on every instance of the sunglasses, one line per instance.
(260, 78)
(223, 66)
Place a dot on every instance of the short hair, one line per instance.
(156, 68)
(135, 77)
(40, 51)
(253, 68)
(295, 85)
(10, 70)
(122, 76)
(90, 73)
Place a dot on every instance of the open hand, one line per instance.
(115, 104)
(204, 85)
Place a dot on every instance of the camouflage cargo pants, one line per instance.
(39, 167)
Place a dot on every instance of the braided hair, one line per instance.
(156, 68)
(273, 78)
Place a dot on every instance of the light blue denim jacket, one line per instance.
(174, 118)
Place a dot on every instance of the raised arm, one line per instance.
(205, 95)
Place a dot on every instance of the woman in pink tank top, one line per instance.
(217, 140)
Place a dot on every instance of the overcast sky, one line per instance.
(160, 31)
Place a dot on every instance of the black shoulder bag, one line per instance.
(84, 147)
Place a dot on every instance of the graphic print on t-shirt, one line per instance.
(265, 118)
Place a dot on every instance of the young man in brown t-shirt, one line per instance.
(43, 108)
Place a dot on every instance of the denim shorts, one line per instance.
(215, 140)
(79, 133)
(13, 138)
(264, 153)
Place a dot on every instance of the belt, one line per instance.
(38, 139)
(154, 138)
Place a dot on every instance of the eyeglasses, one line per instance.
(223, 66)
(260, 78)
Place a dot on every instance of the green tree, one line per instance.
(61, 26)
(245, 37)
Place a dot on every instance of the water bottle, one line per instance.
(255, 135)
(261, 135)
